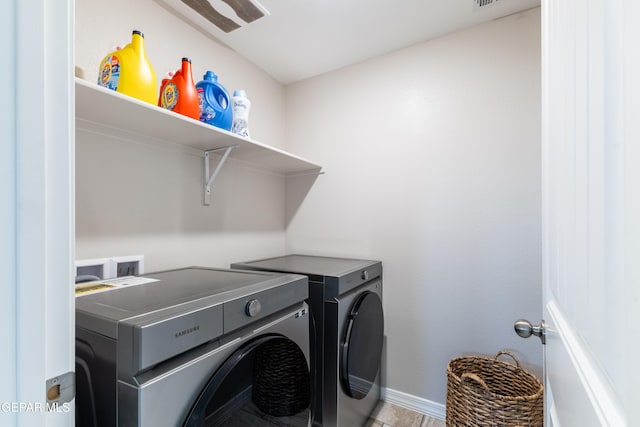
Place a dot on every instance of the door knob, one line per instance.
(525, 329)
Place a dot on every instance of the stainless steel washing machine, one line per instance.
(181, 351)
(345, 298)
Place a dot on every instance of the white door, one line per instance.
(591, 211)
(36, 212)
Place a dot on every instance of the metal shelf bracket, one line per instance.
(208, 180)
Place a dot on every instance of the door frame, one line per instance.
(38, 215)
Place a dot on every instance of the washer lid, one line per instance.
(177, 293)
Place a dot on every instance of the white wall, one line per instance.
(432, 156)
(134, 198)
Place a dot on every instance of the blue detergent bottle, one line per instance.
(215, 108)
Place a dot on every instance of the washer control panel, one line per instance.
(258, 305)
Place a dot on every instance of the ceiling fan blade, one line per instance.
(245, 9)
(204, 8)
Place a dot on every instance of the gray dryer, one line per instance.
(345, 299)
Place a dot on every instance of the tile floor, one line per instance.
(389, 415)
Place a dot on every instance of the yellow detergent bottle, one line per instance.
(129, 71)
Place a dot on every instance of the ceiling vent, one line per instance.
(218, 15)
(482, 3)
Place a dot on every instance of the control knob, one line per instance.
(253, 307)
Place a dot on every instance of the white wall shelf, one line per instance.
(108, 112)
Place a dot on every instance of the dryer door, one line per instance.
(362, 345)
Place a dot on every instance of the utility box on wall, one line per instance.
(128, 265)
(107, 268)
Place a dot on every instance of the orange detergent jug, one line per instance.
(179, 92)
(129, 71)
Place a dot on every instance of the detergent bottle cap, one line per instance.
(210, 76)
(240, 92)
(187, 59)
(138, 33)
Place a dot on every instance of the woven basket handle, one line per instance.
(508, 353)
(473, 379)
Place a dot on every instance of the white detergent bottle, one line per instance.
(240, 106)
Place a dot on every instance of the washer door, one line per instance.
(229, 380)
(362, 345)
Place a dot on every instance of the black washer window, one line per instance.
(362, 345)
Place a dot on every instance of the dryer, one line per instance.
(345, 298)
(183, 351)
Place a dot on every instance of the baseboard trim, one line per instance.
(414, 403)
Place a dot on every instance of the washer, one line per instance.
(345, 298)
(181, 351)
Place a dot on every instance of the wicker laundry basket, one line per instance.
(487, 392)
